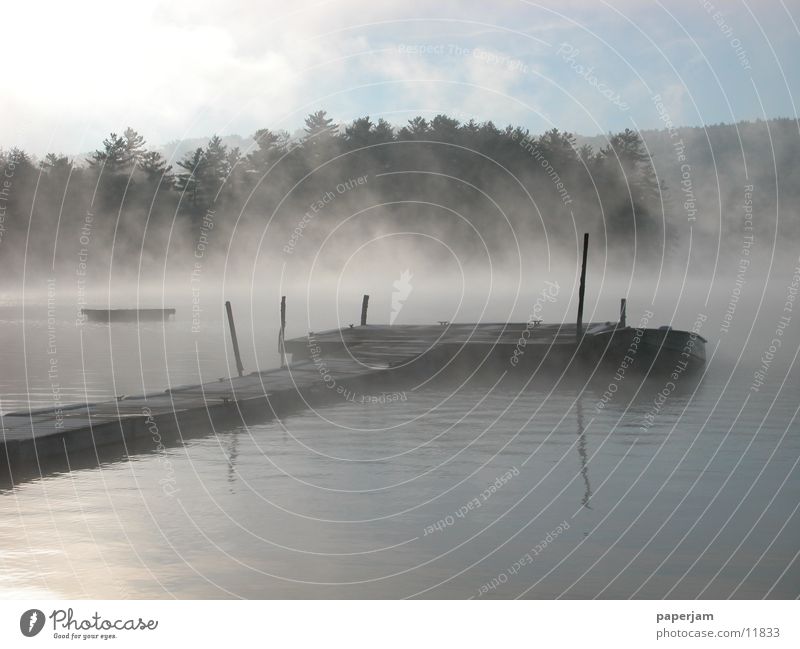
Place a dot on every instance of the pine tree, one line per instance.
(155, 168)
(217, 165)
(133, 148)
(444, 128)
(417, 129)
(358, 134)
(319, 126)
(321, 141)
(111, 159)
(382, 132)
(268, 150)
(189, 182)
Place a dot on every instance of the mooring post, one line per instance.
(623, 305)
(364, 306)
(234, 340)
(582, 288)
(282, 334)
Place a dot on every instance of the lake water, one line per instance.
(482, 490)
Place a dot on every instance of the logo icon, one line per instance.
(400, 294)
(31, 622)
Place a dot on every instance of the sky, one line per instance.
(75, 71)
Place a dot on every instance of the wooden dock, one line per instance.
(340, 359)
(322, 364)
(127, 315)
(327, 363)
(385, 346)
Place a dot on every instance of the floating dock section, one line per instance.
(28, 436)
(127, 315)
(327, 363)
(339, 359)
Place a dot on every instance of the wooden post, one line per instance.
(623, 304)
(234, 340)
(282, 334)
(364, 306)
(582, 288)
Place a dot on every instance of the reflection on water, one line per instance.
(488, 489)
(587, 494)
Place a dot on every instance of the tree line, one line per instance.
(491, 175)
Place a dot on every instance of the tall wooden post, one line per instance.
(282, 334)
(234, 340)
(364, 306)
(623, 307)
(582, 288)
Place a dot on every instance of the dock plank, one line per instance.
(345, 355)
(26, 427)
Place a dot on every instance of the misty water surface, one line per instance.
(477, 490)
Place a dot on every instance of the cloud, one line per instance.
(190, 68)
